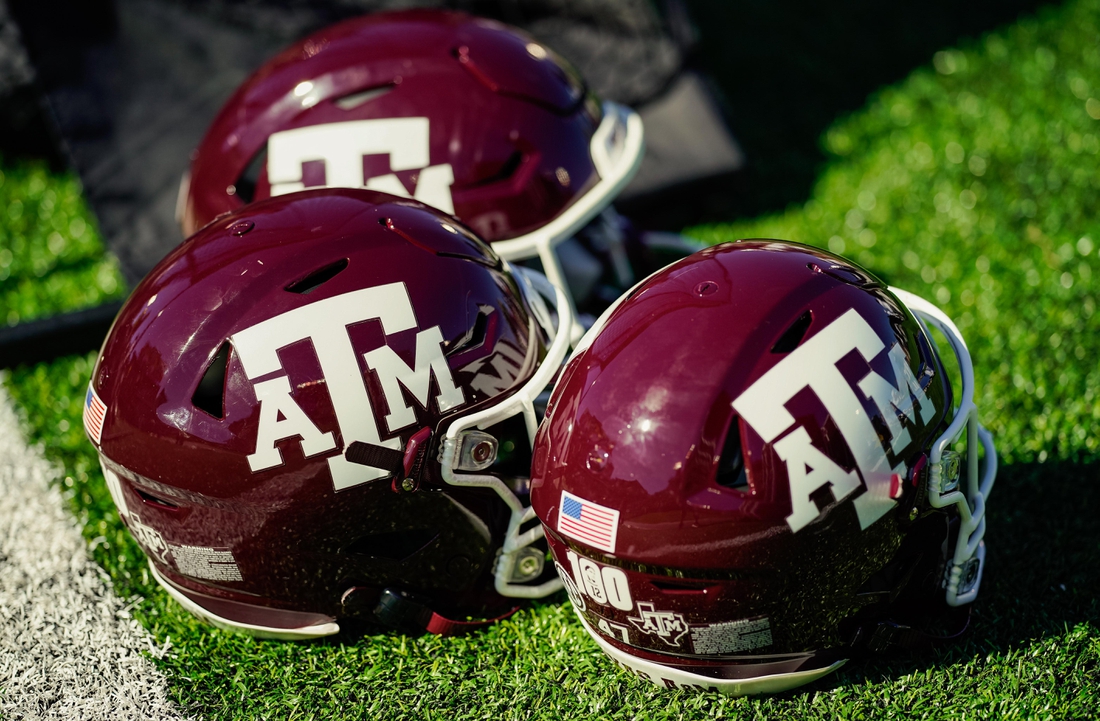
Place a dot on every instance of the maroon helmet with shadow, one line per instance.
(321, 406)
(465, 114)
(749, 471)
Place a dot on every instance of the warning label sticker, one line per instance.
(214, 564)
(732, 636)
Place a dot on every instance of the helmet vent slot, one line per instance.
(245, 187)
(209, 396)
(506, 170)
(475, 337)
(793, 335)
(395, 546)
(731, 464)
(354, 100)
(681, 588)
(150, 500)
(317, 278)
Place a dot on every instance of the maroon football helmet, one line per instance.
(322, 406)
(464, 114)
(747, 474)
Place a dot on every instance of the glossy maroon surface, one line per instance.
(638, 423)
(299, 543)
(511, 119)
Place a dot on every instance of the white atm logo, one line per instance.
(325, 323)
(341, 146)
(813, 365)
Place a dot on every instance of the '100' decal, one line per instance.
(650, 625)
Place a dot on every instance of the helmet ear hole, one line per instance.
(209, 396)
(731, 463)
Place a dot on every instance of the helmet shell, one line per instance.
(729, 460)
(246, 363)
(465, 114)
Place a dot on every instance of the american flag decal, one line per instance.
(586, 521)
(94, 411)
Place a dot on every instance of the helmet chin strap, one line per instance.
(403, 465)
(395, 608)
(887, 636)
(400, 611)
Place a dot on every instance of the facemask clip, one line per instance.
(477, 450)
(946, 472)
(528, 564)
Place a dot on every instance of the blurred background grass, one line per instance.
(789, 68)
(972, 180)
(974, 184)
(51, 257)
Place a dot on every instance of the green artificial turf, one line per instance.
(51, 258)
(975, 182)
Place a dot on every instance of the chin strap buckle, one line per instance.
(397, 609)
(403, 466)
(887, 636)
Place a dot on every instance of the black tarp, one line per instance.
(131, 85)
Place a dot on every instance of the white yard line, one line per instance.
(67, 647)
